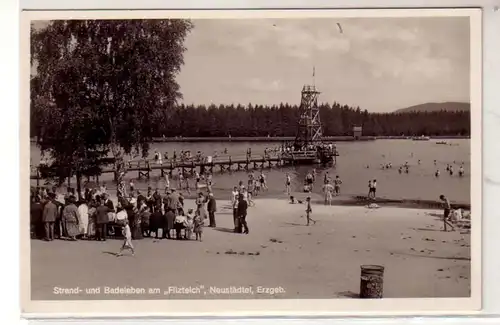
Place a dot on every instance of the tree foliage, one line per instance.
(100, 85)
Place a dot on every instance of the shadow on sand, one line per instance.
(426, 229)
(294, 224)
(224, 229)
(111, 253)
(348, 294)
(456, 258)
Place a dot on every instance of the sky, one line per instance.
(378, 64)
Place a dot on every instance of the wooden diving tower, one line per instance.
(309, 138)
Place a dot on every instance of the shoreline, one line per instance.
(318, 199)
(281, 139)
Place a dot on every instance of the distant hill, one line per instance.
(433, 107)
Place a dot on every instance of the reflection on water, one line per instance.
(358, 163)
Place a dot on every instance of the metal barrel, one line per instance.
(372, 281)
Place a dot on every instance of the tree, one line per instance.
(101, 85)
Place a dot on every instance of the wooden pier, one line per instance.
(222, 164)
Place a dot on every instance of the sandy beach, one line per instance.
(319, 261)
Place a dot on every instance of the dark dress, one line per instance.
(36, 219)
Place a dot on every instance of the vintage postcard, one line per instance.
(256, 162)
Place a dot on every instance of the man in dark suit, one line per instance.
(212, 208)
(242, 214)
(102, 221)
(36, 218)
(140, 199)
(157, 199)
(108, 203)
(50, 214)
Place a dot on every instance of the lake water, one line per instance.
(419, 183)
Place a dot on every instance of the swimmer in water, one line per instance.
(400, 170)
(419, 161)
(451, 170)
(435, 162)
(437, 173)
(461, 171)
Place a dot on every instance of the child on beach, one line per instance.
(309, 210)
(127, 243)
(338, 182)
(189, 224)
(262, 179)
(198, 223)
(256, 188)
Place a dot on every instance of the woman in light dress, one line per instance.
(71, 219)
(83, 210)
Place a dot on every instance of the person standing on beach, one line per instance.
(326, 178)
(288, 183)
(132, 186)
(181, 178)
(198, 223)
(209, 182)
(186, 180)
(262, 179)
(102, 221)
(309, 211)
(83, 211)
(338, 182)
(328, 189)
(212, 208)
(107, 202)
(309, 181)
(49, 216)
(242, 215)
(127, 242)
(197, 179)
(167, 183)
(71, 218)
(256, 189)
(234, 202)
(446, 212)
(374, 188)
(370, 188)
(250, 190)
(103, 188)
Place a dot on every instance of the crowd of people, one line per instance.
(95, 217)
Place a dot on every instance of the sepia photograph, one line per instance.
(250, 156)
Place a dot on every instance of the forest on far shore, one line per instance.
(281, 120)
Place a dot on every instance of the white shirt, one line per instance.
(234, 198)
(374, 184)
